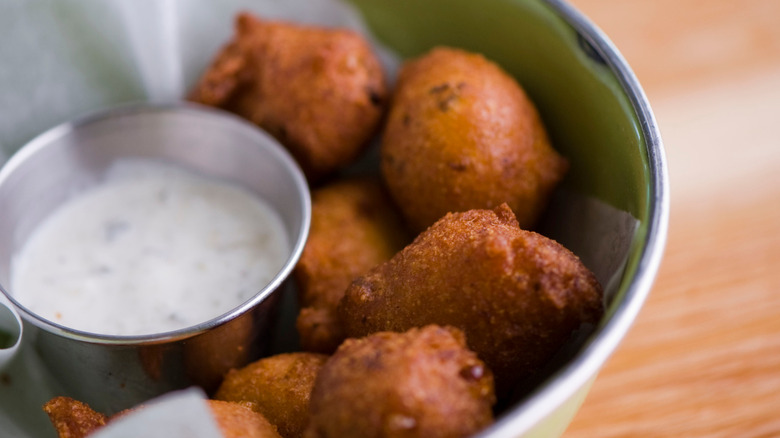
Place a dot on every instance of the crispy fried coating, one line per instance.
(462, 134)
(320, 92)
(422, 383)
(517, 295)
(237, 420)
(278, 387)
(354, 227)
(72, 418)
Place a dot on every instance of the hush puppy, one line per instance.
(236, 420)
(517, 295)
(462, 134)
(278, 387)
(319, 91)
(422, 383)
(72, 418)
(354, 227)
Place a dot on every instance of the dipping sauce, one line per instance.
(152, 249)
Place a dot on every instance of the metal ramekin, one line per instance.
(116, 372)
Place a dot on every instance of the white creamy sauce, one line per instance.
(152, 249)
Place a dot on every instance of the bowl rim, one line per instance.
(270, 145)
(577, 373)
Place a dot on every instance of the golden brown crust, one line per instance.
(320, 92)
(462, 134)
(236, 420)
(354, 227)
(278, 387)
(422, 383)
(72, 418)
(517, 295)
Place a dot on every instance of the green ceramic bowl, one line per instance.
(611, 210)
(613, 207)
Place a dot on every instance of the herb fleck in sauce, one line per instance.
(153, 249)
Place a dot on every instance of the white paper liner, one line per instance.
(179, 414)
(65, 58)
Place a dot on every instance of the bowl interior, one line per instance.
(605, 207)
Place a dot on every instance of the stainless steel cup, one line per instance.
(10, 331)
(115, 372)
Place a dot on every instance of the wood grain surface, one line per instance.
(703, 358)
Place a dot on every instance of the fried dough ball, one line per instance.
(354, 227)
(278, 387)
(422, 383)
(237, 420)
(319, 91)
(517, 295)
(462, 134)
(72, 418)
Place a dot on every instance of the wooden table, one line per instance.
(703, 358)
